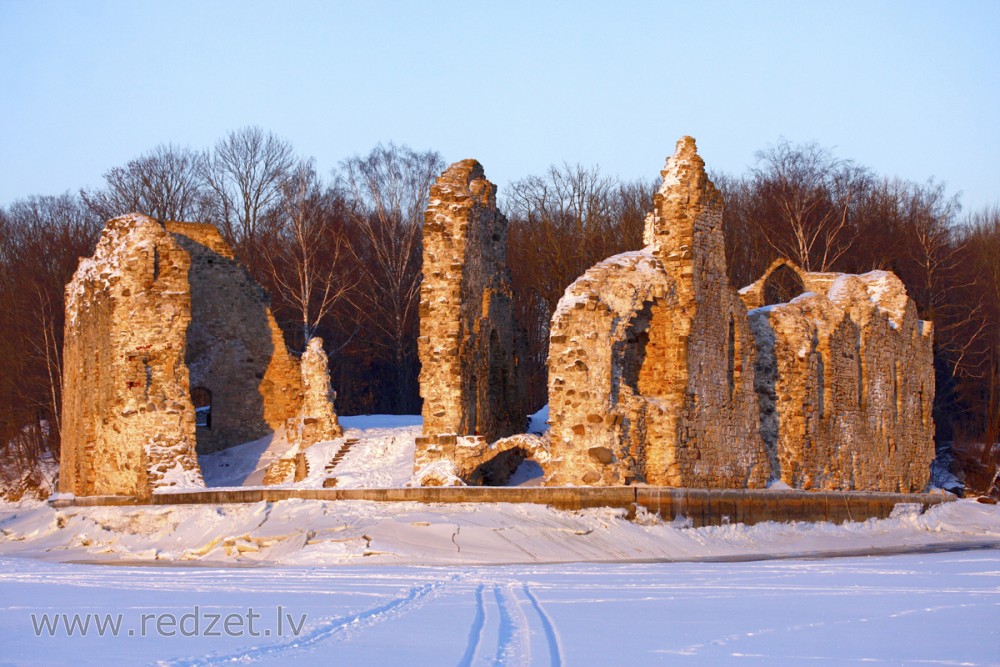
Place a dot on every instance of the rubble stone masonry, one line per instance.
(160, 321)
(468, 342)
(845, 378)
(650, 355)
(658, 373)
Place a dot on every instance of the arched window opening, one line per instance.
(783, 285)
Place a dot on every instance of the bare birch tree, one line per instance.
(306, 260)
(387, 193)
(807, 196)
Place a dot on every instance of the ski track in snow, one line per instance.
(476, 631)
(337, 628)
(513, 647)
(513, 628)
(551, 636)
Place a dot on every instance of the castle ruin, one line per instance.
(171, 351)
(661, 373)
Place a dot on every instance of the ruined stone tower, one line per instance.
(648, 355)
(170, 351)
(468, 339)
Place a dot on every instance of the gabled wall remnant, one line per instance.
(650, 355)
(659, 374)
(235, 349)
(468, 341)
(165, 330)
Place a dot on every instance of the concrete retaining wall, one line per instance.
(703, 507)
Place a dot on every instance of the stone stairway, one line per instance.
(330, 480)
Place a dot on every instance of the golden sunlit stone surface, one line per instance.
(469, 345)
(161, 320)
(659, 373)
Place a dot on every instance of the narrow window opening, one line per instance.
(895, 392)
(202, 400)
(156, 264)
(821, 385)
(861, 383)
(731, 361)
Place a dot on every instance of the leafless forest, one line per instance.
(340, 254)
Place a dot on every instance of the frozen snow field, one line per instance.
(920, 609)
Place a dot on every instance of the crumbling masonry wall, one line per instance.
(235, 349)
(127, 420)
(468, 342)
(846, 381)
(163, 313)
(650, 353)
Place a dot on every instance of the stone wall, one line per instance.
(127, 421)
(316, 420)
(235, 349)
(469, 342)
(648, 355)
(160, 318)
(658, 373)
(846, 381)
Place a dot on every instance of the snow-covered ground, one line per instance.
(382, 457)
(485, 583)
(321, 533)
(936, 609)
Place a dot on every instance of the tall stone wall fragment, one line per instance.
(170, 350)
(128, 424)
(468, 341)
(235, 349)
(650, 355)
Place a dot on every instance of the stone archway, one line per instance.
(782, 285)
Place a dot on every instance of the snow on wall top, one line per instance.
(648, 271)
(132, 230)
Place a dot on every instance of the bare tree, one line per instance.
(387, 193)
(165, 183)
(982, 243)
(43, 239)
(748, 254)
(306, 260)
(573, 216)
(807, 195)
(245, 173)
(562, 223)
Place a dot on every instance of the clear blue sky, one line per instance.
(908, 88)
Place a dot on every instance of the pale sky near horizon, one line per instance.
(909, 89)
